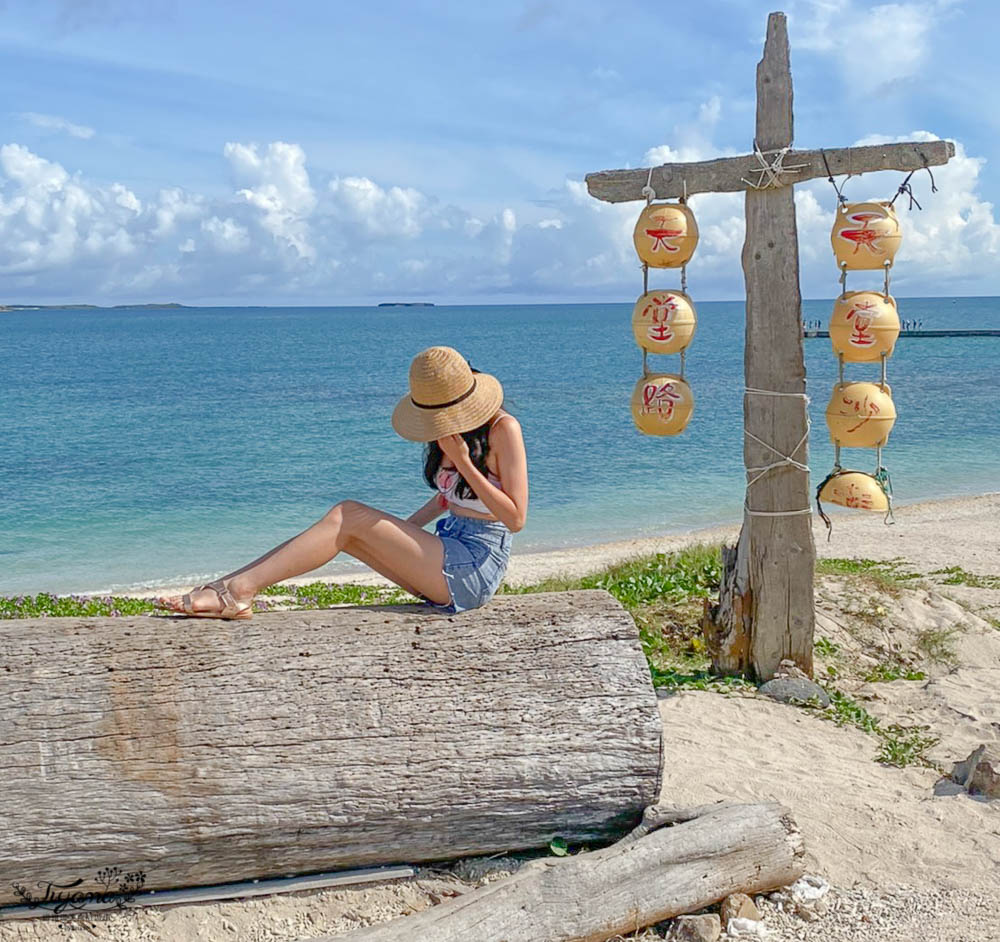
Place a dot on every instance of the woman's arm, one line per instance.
(430, 511)
(511, 504)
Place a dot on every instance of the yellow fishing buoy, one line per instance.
(865, 235)
(662, 404)
(666, 235)
(855, 489)
(860, 415)
(864, 326)
(664, 321)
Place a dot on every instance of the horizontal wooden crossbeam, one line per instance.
(730, 174)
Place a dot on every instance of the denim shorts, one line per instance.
(475, 560)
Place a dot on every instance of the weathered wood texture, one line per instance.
(207, 751)
(772, 586)
(726, 625)
(632, 884)
(729, 174)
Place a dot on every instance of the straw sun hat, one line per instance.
(445, 397)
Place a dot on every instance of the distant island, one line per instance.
(406, 304)
(89, 307)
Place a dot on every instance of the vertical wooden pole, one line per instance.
(766, 607)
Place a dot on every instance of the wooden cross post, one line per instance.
(765, 611)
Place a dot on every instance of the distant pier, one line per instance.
(808, 332)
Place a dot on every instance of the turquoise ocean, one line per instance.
(156, 447)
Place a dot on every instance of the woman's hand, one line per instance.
(455, 447)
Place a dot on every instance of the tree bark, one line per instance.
(643, 879)
(767, 614)
(204, 751)
(730, 174)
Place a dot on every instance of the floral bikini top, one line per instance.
(447, 480)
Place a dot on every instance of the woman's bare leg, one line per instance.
(404, 552)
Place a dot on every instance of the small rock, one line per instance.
(945, 788)
(808, 888)
(788, 668)
(806, 898)
(738, 906)
(746, 929)
(795, 690)
(705, 928)
(963, 771)
(979, 773)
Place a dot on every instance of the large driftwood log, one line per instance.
(206, 751)
(646, 878)
(730, 174)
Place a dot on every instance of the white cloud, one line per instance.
(126, 198)
(51, 122)
(175, 206)
(50, 219)
(874, 44)
(396, 212)
(279, 188)
(226, 235)
(279, 235)
(697, 137)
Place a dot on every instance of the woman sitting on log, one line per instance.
(475, 459)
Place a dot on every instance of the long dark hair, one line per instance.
(478, 440)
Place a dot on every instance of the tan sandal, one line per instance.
(231, 609)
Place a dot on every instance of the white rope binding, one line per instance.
(787, 461)
(650, 194)
(648, 190)
(770, 172)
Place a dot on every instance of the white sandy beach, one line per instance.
(930, 534)
(909, 858)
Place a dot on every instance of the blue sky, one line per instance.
(335, 153)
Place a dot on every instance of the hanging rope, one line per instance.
(648, 190)
(906, 188)
(829, 176)
(786, 461)
(650, 194)
(751, 391)
(882, 476)
(770, 171)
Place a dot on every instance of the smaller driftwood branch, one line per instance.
(654, 873)
(729, 174)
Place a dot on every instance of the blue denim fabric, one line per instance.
(475, 560)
